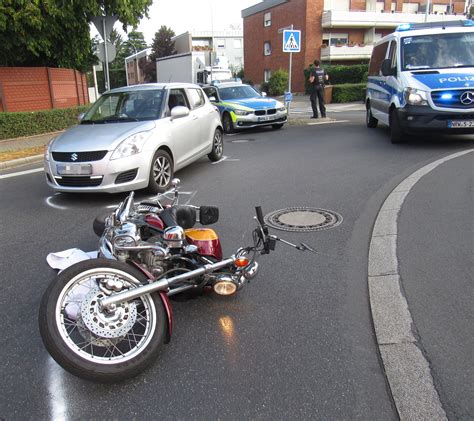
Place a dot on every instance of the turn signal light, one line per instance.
(242, 262)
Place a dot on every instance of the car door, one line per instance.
(182, 134)
(204, 117)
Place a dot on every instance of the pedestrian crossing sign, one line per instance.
(291, 41)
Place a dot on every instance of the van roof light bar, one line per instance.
(438, 24)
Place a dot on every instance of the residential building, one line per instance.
(134, 73)
(334, 31)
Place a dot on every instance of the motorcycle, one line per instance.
(105, 319)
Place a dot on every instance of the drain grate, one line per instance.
(302, 219)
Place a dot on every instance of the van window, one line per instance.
(438, 51)
(392, 55)
(378, 54)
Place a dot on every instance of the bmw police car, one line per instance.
(241, 106)
(421, 78)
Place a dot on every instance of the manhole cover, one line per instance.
(303, 219)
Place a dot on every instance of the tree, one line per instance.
(162, 46)
(56, 32)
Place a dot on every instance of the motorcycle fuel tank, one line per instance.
(206, 240)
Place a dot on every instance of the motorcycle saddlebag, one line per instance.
(208, 215)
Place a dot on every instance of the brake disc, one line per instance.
(103, 324)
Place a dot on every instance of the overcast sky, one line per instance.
(186, 15)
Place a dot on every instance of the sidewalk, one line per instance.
(300, 113)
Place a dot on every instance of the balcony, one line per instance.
(348, 19)
(346, 53)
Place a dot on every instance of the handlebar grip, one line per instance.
(258, 209)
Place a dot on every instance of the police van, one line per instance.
(421, 78)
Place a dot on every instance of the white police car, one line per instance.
(421, 78)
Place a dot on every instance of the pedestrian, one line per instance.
(317, 79)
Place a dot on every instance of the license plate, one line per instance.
(74, 169)
(262, 118)
(460, 124)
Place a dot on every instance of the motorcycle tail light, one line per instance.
(241, 262)
(225, 286)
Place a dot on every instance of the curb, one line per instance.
(20, 161)
(407, 370)
(15, 139)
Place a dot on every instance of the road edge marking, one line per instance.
(407, 370)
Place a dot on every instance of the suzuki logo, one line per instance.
(74, 157)
(467, 98)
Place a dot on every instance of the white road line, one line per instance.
(328, 122)
(240, 141)
(17, 174)
(225, 158)
(57, 392)
(407, 370)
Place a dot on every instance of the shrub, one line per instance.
(348, 92)
(19, 124)
(341, 74)
(278, 82)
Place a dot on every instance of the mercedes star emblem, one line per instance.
(74, 157)
(467, 98)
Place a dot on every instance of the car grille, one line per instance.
(452, 99)
(78, 156)
(79, 181)
(126, 176)
(264, 112)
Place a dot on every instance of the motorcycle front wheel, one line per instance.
(92, 343)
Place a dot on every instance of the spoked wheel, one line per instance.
(217, 146)
(94, 343)
(161, 172)
(227, 123)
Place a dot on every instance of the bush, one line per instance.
(19, 124)
(278, 82)
(341, 74)
(348, 92)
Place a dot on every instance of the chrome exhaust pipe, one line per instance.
(162, 284)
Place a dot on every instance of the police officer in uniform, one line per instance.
(317, 78)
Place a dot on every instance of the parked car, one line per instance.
(135, 137)
(241, 106)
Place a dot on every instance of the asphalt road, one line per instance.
(297, 342)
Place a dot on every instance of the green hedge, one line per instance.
(38, 122)
(341, 74)
(348, 92)
(278, 83)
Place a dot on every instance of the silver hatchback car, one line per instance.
(135, 137)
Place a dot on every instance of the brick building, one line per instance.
(335, 31)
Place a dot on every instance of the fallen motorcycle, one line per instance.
(105, 319)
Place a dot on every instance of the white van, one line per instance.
(421, 78)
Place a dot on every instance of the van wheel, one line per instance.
(371, 121)
(396, 132)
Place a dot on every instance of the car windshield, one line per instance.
(128, 106)
(438, 51)
(238, 92)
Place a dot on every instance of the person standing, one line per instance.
(317, 79)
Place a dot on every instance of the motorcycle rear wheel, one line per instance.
(92, 344)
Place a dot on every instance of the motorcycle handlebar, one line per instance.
(260, 220)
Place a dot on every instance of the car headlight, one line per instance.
(130, 146)
(242, 112)
(280, 109)
(47, 148)
(415, 96)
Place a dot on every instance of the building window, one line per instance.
(267, 75)
(220, 42)
(267, 48)
(237, 43)
(410, 7)
(440, 8)
(335, 39)
(267, 19)
(380, 6)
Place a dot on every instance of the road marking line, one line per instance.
(17, 174)
(225, 158)
(406, 368)
(328, 122)
(240, 141)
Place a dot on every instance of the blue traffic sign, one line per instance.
(291, 41)
(288, 97)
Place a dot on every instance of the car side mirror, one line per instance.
(179, 112)
(80, 116)
(212, 99)
(264, 94)
(387, 69)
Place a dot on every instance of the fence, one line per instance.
(41, 88)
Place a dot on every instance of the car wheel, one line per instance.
(371, 121)
(227, 123)
(396, 132)
(277, 126)
(161, 172)
(217, 146)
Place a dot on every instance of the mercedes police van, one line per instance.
(421, 78)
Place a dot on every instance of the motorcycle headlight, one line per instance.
(130, 146)
(241, 112)
(47, 149)
(415, 96)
